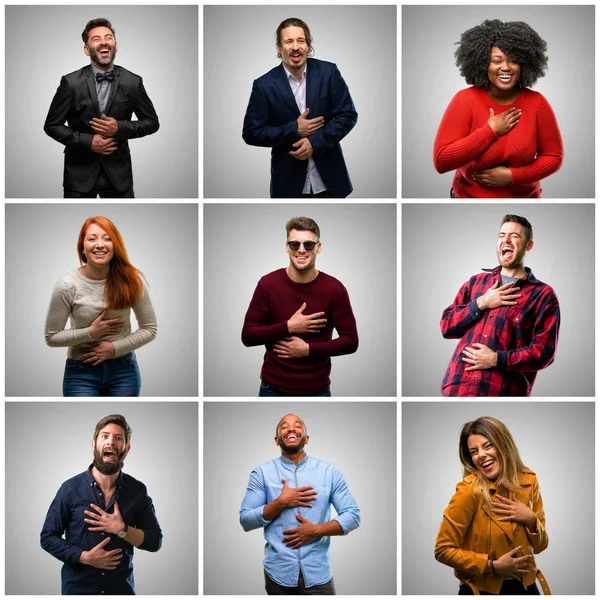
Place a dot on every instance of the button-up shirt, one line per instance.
(66, 515)
(313, 180)
(103, 88)
(282, 563)
(524, 336)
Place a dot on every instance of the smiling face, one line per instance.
(101, 47)
(97, 246)
(484, 456)
(512, 245)
(293, 48)
(291, 434)
(502, 72)
(110, 449)
(303, 259)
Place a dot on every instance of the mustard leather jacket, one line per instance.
(471, 534)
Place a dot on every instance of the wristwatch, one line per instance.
(123, 533)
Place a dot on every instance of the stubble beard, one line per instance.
(292, 449)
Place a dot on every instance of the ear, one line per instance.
(319, 248)
(86, 50)
(529, 245)
(276, 441)
(307, 439)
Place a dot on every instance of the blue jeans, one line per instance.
(267, 390)
(114, 377)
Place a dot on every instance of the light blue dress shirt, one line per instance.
(282, 563)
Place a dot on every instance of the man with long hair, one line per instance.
(291, 498)
(104, 514)
(293, 312)
(301, 109)
(97, 103)
(507, 322)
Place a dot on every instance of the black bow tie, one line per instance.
(100, 77)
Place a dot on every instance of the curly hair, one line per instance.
(516, 39)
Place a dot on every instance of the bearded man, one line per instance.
(97, 103)
(291, 498)
(104, 513)
(507, 322)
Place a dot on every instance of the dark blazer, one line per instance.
(271, 120)
(76, 103)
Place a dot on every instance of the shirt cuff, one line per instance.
(73, 557)
(474, 309)
(254, 517)
(502, 358)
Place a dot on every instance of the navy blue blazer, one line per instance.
(271, 120)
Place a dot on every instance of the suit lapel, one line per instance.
(283, 86)
(89, 77)
(505, 526)
(312, 84)
(114, 87)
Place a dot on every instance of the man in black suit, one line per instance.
(97, 103)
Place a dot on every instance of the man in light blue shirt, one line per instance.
(291, 497)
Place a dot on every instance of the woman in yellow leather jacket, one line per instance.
(495, 521)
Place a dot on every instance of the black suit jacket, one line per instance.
(76, 103)
(271, 120)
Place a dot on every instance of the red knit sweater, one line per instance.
(532, 150)
(275, 300)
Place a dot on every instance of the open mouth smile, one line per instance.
(488, 464)
(292, 437)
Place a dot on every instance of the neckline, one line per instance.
(494, 101)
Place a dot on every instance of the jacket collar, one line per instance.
(530, 277)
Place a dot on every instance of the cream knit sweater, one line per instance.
(81, 300)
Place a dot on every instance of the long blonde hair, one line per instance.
(508, 454)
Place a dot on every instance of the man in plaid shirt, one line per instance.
(507, 322)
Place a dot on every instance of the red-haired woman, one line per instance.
(97, 298)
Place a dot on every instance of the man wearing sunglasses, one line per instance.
(293, 313)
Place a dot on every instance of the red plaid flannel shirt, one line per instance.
(524, 336)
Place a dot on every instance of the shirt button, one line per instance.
(476, 376)
(103, 533)
(102, 573)
(485, 335)
(517, 318)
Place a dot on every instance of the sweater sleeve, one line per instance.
(58, 313)
(345, 325)
(455, 144)
(549, 148)
(457, 519)
(256, 330)
(147, 327)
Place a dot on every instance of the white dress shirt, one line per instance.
(313, 182)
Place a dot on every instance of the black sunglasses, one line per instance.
(308, 246)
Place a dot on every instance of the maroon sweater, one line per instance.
(275, 300)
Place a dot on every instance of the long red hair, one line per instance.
(124, 282)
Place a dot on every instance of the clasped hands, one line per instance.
(97, 557)
(306, 127)
(104, 141)
(99, 327)
(293, 346)
(292, 497)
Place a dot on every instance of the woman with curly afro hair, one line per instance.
(500, 136)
